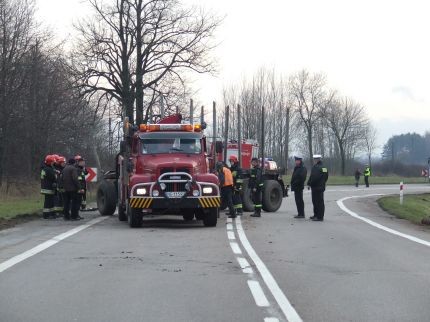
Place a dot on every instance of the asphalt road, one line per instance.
(270, 269)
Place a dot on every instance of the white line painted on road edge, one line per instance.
(258, 294)
(235, 247)
(271, 320)
(229, 220)
(51, 242)
(375, 224)
(229, 226)
(285, 305)
(244, 265)
(230, 235)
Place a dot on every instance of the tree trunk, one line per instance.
(139, 62)
(287, 138)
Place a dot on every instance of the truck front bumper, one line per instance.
(175, 203)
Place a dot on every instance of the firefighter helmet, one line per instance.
(61, 159)
(78, 158)
(233, 159)
(50, 159)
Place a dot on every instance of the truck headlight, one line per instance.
(207, 190)
(155, 193)
(141, 191)
(196, 193)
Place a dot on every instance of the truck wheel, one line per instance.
(272, 196)
(106, 198)
(135, 216)
(211, 217)
(247, 203)
(122, 215)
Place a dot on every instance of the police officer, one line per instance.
(298, 184)
(255, 184)
(317, 182)
(236, 171)
(367, 174)
(226, 183)
(72, 187)
(82, 172)
(48, 186)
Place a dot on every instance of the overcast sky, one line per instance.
(377, 52)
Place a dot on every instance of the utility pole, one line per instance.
(191, 111)
(227, 116)
(214, 130)
(262, 139)
(239, 135)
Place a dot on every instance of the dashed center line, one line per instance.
(235, 247)
(258, 294)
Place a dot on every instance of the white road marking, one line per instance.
(51, 242)
(271, 320)
(229, 220)
(230, 226)
(230, 235)
(244, 265)
(285, 305)
(258, 294)
(235, 247)
(375, 224)
(377, 188)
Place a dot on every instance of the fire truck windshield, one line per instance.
(171, 145)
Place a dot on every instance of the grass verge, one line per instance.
(415, 207)
(15, 211)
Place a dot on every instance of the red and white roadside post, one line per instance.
(401, 192)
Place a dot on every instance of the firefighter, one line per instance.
(298, 184)
(255, 184)
(48, 186)
(367, 174)
(317, 182)
(72, 188)
(236, 171)
(357, 175)
(82, 172)
(226, 183)
(60, 163)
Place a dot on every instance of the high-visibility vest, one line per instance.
(228, 177)
(367, 172)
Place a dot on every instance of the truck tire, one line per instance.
(122, 215)
(106, 198)
(211, 217)
(135, 216)
(247, 203)
(272, 196)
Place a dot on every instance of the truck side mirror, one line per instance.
(219, 147)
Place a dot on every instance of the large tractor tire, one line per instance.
(106, 198)
(135, 216)
(211, 217)
(247, 203)
(272, 196)
(122, 214)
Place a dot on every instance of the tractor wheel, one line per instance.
(135, 216)
(211, 217)
(272, 196)
(106, 198)
(248, 204)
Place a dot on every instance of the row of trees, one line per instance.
(408, 148)
(302, 114)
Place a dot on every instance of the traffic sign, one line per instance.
(92, 175)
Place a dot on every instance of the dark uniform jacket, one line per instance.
(59, 171)
(82, 172)
(318, 177)
(256, 178)
(236, 171)
(298, 178)
(70, 178)
(47, 180)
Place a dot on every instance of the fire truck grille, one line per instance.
(175, 186)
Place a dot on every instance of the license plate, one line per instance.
(175, 194)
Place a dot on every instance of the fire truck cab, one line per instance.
(162, 168)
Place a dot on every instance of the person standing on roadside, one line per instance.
(367, 174)
(236, 171)
(48, 186)
(357, 175)
(298, 184)
(255, 184)
(317, 182)
(226, 183)
(60, 163)
(71, 187)
(82, 172)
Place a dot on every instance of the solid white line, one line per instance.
(229, 226)
(230, 234)
(271, 320)
(244, 265)
(229, 220)
(235, 247)
(285, 305)
(51, 242)
(379, 226)
(258, 294)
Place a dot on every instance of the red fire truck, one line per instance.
(162, 168)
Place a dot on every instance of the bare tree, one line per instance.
(370, 141)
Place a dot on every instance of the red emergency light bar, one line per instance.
(170, 127)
